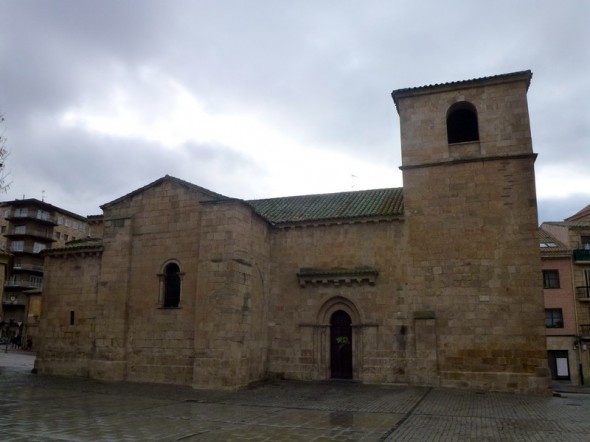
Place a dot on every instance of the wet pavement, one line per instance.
(51, 408)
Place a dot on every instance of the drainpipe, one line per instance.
(580, 368)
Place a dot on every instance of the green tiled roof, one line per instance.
(379, 203)
(78, 245)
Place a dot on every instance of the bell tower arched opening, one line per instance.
(462, 126)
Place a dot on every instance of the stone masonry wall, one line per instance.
(231, 338)
(157, 343)
(299, 325)
(67, 328)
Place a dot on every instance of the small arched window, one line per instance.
(462, 124)
(171, 285)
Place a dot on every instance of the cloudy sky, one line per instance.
(257, 99)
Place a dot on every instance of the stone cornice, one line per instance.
(450, 162)
(337, 276)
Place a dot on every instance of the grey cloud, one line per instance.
(321, 71)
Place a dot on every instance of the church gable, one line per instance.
(201, 193)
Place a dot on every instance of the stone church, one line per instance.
(434, 284)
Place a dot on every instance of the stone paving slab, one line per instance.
(51, 408)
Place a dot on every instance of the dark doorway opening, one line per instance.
(558, 364)
(340, 345)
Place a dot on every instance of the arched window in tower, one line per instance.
(462, 124)
(171, 286)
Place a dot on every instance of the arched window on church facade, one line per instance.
(170, 285)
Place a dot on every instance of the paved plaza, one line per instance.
(49, 408)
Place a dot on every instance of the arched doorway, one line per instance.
(340, 345)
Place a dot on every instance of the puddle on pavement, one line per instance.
(342, 419)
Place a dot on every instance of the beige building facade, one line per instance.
(573, 233)
(561, 322)
(27, 227)
(433, 284)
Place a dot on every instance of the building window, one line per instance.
(462, 123)
(585, 242)
(17, 246)
(545, 245)
(42, 214)
(551, 279)
(20, 230)
(38, 247)
(171, 286)
(36, 281)
(21, 212)
(553, 318)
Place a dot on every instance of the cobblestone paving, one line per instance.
(51, 408)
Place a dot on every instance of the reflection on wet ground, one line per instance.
(51, 408)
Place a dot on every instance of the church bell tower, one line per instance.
(471, 214)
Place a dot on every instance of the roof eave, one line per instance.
(464, 84)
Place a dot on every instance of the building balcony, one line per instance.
(583, 293)
(32, 215)
(15, 299)
(582, 255)
(45, 235)
(24, 282)
(28, 267)
(585, 331)
(16, 249)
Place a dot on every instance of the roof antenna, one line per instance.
(43, 195)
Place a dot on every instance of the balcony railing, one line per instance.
(25, 266)
(14, 299)
(583, 293)
(32, 214)
(25, 249)
(29, 231)
(585, 330)
(582, 255)
(24, 282)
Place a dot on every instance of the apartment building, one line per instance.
(565, 253)
(27, 227)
